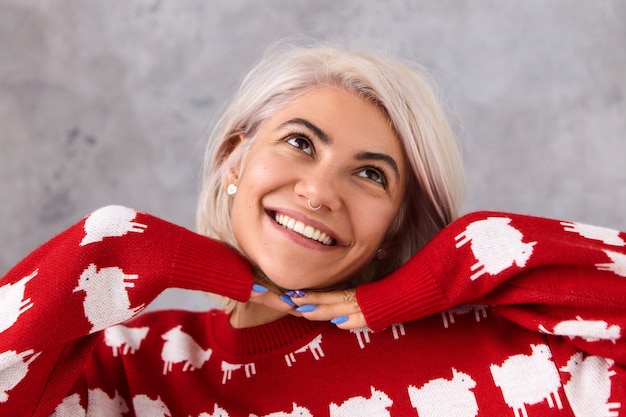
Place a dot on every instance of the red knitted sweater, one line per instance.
(499, 315)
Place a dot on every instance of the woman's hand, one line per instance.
(271, 299)
(339, 307)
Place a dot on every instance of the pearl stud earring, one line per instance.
(231, 190)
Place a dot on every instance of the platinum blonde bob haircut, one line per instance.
(404, 95)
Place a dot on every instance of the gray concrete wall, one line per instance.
(105, 101)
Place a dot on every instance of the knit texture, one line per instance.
(500, 314)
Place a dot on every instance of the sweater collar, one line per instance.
(278, 337)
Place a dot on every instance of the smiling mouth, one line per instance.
(303, 229)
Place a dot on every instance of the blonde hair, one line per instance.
(406, 97)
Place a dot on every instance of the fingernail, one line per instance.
(306, 308)
(258, 288)
(295, 293)
(339, 320)
(288, 300)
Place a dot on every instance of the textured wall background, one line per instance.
(106, 102)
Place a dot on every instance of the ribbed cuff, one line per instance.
(204, 264)
(408, 294)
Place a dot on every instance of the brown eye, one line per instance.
(301, 142)
(374, 174)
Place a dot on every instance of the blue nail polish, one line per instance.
(306, 308)
(288, 300)
(295, 293)
(339, 320)
(258, 288)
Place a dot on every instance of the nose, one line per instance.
(319, 186)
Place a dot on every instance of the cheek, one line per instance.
(256, 179)
(261, 174)
(373, 222)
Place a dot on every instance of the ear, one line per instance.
(231, 179)
(230, 145)
(384, 250)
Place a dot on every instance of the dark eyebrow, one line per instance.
(322, 136)
(362, 156)
(368, 156)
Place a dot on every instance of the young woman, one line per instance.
(329, 171)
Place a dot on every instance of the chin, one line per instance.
(291, 282)
(299, 278)
(295, 284)
(308, 284)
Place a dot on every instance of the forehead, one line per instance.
(340, 114)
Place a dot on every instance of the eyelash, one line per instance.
(379, 170)
(295, 135)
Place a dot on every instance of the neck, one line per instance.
(252, 314)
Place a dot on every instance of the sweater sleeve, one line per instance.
(551, 276)
(100, 272)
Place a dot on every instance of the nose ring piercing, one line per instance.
(314, 208)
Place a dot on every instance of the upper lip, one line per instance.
(299, 216)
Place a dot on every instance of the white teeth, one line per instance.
(304, 230)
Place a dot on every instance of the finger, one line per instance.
(323, 297)
(257, 291)
(327, 312)
(352, 321)
(274, 301)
